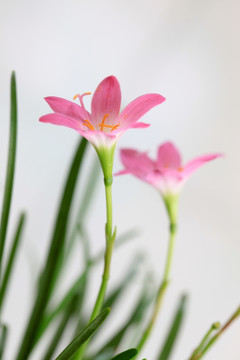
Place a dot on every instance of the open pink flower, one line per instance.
(166, 173)
(105, 123)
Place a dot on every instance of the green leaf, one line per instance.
(10, 167)
(174, 330)
(73, 347)
(76, 289)
(54, 254)
(134, 319)
(131, 273)
(89, 189)
(126, 355)
(3, 338)
(11, 258)
(61, 328)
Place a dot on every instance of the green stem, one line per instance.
(162, 288)
(202, 352)
(197, 351)
(110, 237)
(108, 253)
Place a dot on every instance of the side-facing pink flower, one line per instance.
(103, 126)
(166, 173)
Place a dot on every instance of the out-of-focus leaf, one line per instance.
(76, 288)
(61, 328)
(71, 349)
(134, 319)
(126, 355)
(174, 330)
(131, 273)
(78, 228)
(55, 252)
(89, 189)
(10, 167)
(3, 338)
(11, 258)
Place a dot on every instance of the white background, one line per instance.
(187, 51)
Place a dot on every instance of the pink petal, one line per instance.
(66, 107)
(136, 162)
(138, 107)
(138, 125)
(106, 100)
(194, 164)
(60, 119)
(97, 138)
(168, 156)
(100, 138)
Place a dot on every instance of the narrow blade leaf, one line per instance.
(55, 252)
(174, 330)
(10, 167)
(11, 258)
(134, 319)
(126, 355)
(61, 328)
(89, 330)
(3, 338)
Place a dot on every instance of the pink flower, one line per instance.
(166, 173)
(105, 124)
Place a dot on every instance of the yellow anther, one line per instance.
(115, 127)
(180, 169)
(80, 96)
(103, 122)
(88, 124)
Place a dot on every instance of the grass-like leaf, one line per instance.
(10, 167)
(134, 319)
(54, 254)
(174, 330)
(73, 347)
(126, 355)
(77, 288)
(131, 273)
(11, 258)
(61, 328)
(3, 338)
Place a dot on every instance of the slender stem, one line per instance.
(202, 352)
(197, 351)
(108, 253)
(110, 237)
(162, 288)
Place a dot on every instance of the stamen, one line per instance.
(180, 169)
(115, 127)
(103, 122)
(81, 101)
(88, 124)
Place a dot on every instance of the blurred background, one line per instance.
(187, 51)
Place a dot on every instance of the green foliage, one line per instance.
(126, 355)
(3, 338)
(54, 255)
(10, 167)
(174, 330)
(11, 258)
(89, 330)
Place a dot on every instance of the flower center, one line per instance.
(87, 122)
(102, 124)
